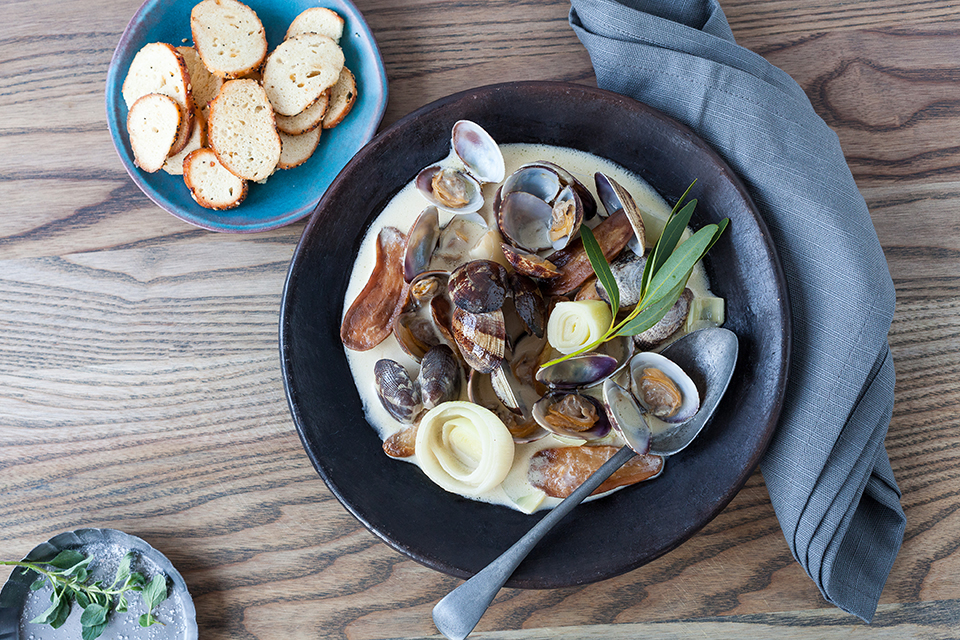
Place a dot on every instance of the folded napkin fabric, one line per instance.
(827, 471)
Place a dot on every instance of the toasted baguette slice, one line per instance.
(307, 120)
(242, 130)
(298, 149)
(159, 68)
(204, 86)
(320, 20)
(210, 184)
(342, 97)
(229, 37)
(299, 70)
(154, 124)
(174, 164)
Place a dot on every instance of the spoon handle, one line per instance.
(460, 610)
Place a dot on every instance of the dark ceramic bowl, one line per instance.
(288, 195)
(18, 604)
(602, 538)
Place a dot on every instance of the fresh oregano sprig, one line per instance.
(664, 278)
(69, 576)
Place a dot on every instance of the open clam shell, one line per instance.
(422, 240)
(656, 393)
(482, 390)
(536, 210)
(626, 417)
(450, 189)
(572, 415)
(615, 197)
(590, 368)
(478, 151)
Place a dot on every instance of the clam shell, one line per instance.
(615, 197)
(626, 416)
(588, 369)
(482, 390)
(690, 396)
(473, 193)
(525, 205)
(529, 264)
(398, 393)
(440, 377)
(421, 241)
(668, 324)
(478, 151)
(599, 429)
(478, 286)
(481, 338)
(529, 303)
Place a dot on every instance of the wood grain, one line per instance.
(140, 380)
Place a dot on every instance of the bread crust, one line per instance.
(307, 120)
(242, 130)
(299, 70)
(342, 97)
(154, 123)
(159, 68)
(322, 20)
(228, 53)
(298, 149)
(209, 182)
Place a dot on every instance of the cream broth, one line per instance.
(515, 491)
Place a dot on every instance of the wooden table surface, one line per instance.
(140, 383)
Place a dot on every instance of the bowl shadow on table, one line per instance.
(459, 536)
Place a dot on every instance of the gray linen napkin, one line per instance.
(827, 471)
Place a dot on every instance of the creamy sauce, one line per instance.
(401, 212)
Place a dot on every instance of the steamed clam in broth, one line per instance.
(516, 351)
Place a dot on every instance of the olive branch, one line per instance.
(665, 273)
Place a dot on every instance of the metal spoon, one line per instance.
(709, 357)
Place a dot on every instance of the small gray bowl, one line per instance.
(19, 605)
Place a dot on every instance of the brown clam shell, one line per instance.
(369, 320)
(439, 377)
(481, 338)
(529, 303)
(529, 264)
(478, 286)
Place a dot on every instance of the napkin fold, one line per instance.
(827, 471)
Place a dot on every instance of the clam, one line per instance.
(481, 338)
(426, 315)
(529, 303)
(537, 209)
(458, 240)
(667, 325)
(626, 416)
(398, 393)
(627, 270)
(478, 286)
(590, 368)
(455, 183)
(662, 388)
(529, 264)
(482, 389)
(616, 198)
(421, 242)
(571, 415)
(439, 377)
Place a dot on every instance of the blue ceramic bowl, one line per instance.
(287, 195)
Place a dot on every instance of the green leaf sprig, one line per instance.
(665, 273)
(69, 576)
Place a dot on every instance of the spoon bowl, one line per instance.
(709, 356)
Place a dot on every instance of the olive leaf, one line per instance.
(602, 269)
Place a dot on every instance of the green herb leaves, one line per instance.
(68, 574)
(665, 273)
